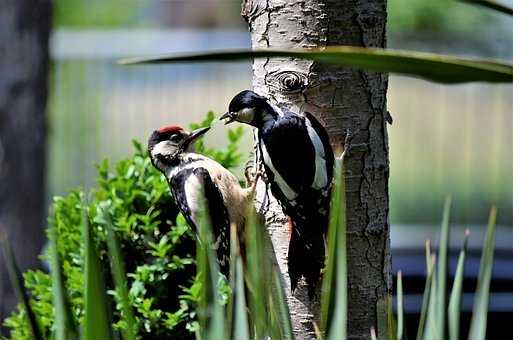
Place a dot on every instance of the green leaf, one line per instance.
(431, 332)
(400, 307)
(430, 263)
(19, 286)
(387, 327)
(65, 327)
(493, 5)
(119, 273)
(430, 66)
(238, 318)
(97, 322)
(373, 334)
(441, 302)
(210, 311)
(455, 300)
(334, 288)
(257, 269)
(480, 311)
(279, 307)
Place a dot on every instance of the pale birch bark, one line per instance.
(343, 100)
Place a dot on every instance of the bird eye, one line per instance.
(175, 138)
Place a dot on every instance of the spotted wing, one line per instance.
(188, 186)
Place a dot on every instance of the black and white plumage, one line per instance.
(192, 178)
(298, 161)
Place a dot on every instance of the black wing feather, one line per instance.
(218, 213)
(291, 151)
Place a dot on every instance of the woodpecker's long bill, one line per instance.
(190, 176)
(298, 161)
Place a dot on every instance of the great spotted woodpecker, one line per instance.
(298, 161)
(191, 175)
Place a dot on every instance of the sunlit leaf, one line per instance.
(373, 334)
(480, 311)
(400, 307)
(257, 270)
(455, 300)
(431, 330)
(334, 287)
(430, 66)
(441, 288)
(430, 263)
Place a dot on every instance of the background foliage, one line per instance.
(157, 246)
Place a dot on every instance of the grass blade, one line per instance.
(210, 311)
(493, 5)
(443, 247)
(455, 300)
(238, 318)
(19, 287)
(387, 326)
(256, 270)
(65, 327)
(278, 306)
(334, 289)
(118, 269)
(373, 334)
(430, 263)
(431, 330)
(97, 322)
(430, 66)
(480, 311)
(400, 307)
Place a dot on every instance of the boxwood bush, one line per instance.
(157, 245)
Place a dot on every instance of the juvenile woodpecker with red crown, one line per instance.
(193, 179)
(298, 162)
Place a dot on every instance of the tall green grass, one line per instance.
(257, 307)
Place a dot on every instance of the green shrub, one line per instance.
(157, 246)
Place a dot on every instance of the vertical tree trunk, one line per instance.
(345, 101)
(24, 31)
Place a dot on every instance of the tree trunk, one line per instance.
(344, 101)
(24, 31)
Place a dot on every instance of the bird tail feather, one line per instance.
(306, 255)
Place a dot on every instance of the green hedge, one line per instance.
(157, 245)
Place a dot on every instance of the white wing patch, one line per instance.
(321, 175)
(193, 193)
(284, 187)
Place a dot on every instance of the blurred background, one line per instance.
(96, 107)
(453, 139)
(445, 139)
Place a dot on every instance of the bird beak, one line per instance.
(193, 136)
(229, 116)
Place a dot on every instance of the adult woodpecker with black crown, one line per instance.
(197, 181)
(298, 161)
